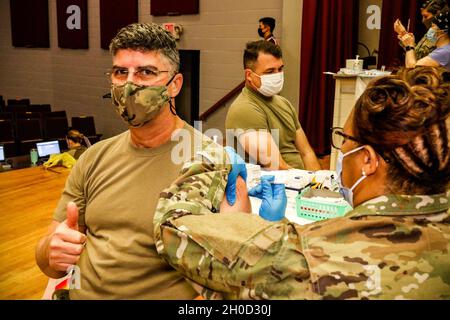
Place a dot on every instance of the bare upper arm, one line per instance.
(428, 62)
(255, 143)
(242, 200)
(306, 151)
(302, 143)
(261, 146)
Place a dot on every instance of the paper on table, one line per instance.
(291, 212)
(295, 180)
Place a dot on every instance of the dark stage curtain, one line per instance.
(114, 15)
(391, 54)
(29, 23)
(329, 37)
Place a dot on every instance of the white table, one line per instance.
(296, 179)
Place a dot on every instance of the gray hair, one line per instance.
(147, 37)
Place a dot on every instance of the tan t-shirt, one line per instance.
(251, 110)
(116, 187)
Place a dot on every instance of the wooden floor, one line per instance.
(27, 200)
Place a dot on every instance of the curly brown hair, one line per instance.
(405, 118)
(434, 6)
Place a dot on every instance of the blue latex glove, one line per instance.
(238, 168)
(274, 201)
(257, 191)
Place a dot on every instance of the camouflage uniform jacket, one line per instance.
(392, 247)
(423, 48)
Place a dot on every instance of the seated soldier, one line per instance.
(264, 123)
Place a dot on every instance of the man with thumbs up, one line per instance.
(63, 245)
(104, 220)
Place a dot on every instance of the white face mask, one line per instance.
(271, 84)
(347, 193)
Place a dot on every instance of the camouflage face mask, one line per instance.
(138, 105)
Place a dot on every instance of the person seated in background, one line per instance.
(441, 55)
(428, 43)
(259, 112)
(75, 141)
(394, 167)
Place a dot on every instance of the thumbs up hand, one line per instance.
(72, 216)
(66, 243)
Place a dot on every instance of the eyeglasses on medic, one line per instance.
(338, 137)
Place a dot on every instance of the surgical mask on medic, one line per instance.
(347, 193)
(136, 104)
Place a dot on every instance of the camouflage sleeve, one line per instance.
(200, 187)
(424, 48)
(233, 255)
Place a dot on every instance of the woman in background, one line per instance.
(440, 32)
(427, 44)
(75, 141)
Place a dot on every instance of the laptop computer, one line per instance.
(47, 148)
(4, 163)
(2, 154)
